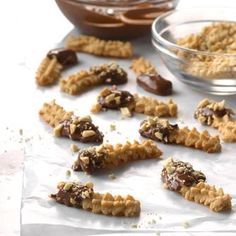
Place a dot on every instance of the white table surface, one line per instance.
(28, 29)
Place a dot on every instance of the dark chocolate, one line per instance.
(80, 130)
(155, 130)
(110, 73)
(72, 194)
(155, 84)
(65, 57)
(116, 99)
(177, 174)
(89, 160)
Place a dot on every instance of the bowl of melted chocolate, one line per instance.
(112, 19)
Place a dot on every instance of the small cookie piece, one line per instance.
(180, 177)
(65, 124)
(118, 99)
(213, 113)
(142, 66)
(161, 130)
(48, 72)
(109, 73)
(99, 47)
(79, 195)
(107, 156)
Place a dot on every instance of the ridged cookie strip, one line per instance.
(142, 66)
(80, 195)
(161, 130)
(108, 73)
(127, 103)
(228, 131)
(153, 107)
(65, 124)
(54, 114)
(213, 113)
(48, 72)
(107, 156)
(79, 82)
(180, 177)
(99, 47)
(207, 195)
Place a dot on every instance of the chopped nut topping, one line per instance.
(125, 111)
(72, 193)
(115, 99)
(177, 174)
(57, 130)
(208, 110)
(88, 133)
(157, 129)
(110, 73)
(84, 131)
(90, 159)
(74, 148)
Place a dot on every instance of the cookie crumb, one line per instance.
(74, 148)
(186, 225)
(111, 176)
(21, 131)
(134, 226)
(112, 127)
(125, 112)
(68, 173)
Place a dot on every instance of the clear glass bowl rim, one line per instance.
(157, 37)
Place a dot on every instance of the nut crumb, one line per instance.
(68, 173)
(74, 148)
(112, 127)
(134, 226)
(111, 176)
(186, 225)
(21, 131)
(125, 112)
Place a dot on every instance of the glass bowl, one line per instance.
(209, 71)
(114, 19)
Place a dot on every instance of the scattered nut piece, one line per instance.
(74, 148)
(111, 176)
(125, 112)
(112, 127)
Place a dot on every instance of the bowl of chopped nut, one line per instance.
(199, 47)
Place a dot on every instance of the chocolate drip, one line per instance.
(155, 84)
(65, 57)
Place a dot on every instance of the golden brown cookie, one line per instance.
(161, 130)
(180, 177)
(99, 47)
(107, 156)
(76, 194)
